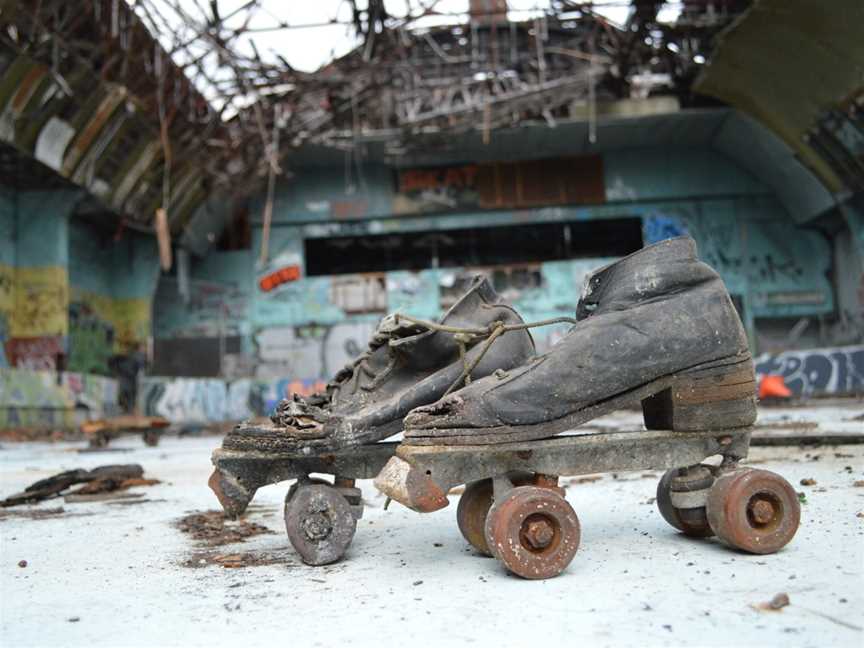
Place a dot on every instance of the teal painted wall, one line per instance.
(303, 331)
(71, 294)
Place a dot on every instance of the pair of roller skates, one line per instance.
(655, 329)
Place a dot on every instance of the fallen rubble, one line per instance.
(212, 529)
(103, 479)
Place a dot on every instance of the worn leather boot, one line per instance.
(656, 327)
(405, 366)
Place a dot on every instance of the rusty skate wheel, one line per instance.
(471, 514)
(474, 505)
(692, 522)
(753, 510)
(533, 531)
(319, 522)
(304, 482)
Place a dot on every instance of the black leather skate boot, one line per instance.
(657, 326)
(406, 365)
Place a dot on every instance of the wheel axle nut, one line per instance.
(762, 511)
(317, 526)
(539, 534)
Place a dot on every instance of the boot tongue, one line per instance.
(428, 347)
(658, 269)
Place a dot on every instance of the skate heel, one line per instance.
(715, 395)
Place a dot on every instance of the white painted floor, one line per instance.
(635, 581)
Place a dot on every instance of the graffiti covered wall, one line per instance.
(101, 327)
(817, 372)
(46, 399)
(301, 329)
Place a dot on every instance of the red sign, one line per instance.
(279, 277)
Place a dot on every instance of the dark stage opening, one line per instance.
(475, 246)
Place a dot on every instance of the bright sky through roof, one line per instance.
(312, 41)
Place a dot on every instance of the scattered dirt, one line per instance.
(32, 514)
(211, 528)
(587, 479)
(235, 560)
(808, 481)
(859, 483)
(777, 603)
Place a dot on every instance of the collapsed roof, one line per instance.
(163, 103)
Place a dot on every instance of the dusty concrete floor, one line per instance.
(118, 574)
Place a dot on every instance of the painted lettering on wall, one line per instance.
(839, 370)
(436, 189)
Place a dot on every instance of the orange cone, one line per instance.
(773, 386)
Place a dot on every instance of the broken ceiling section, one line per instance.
(87, 91)
(804, 81)
(156, 105)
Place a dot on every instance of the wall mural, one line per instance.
(198, 401)
(101, 327)
(44, 399)
(33, 322)
(195, 400)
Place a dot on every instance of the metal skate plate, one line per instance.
(240, 473)
(449, 466)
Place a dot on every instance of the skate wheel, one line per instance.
(753, 510)
(691, 522)
(319, 522)
(533, 531)
(473, 508)
(151, 439)
(474, 505)
(301, 482)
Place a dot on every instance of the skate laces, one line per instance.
(349, 376)
(310, 412)
(464, 336)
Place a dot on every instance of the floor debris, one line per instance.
(36, 513)
(103, 479)
(236, 560)
(779, 601)
(212, 528)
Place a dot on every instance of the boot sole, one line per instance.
(720, 394)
